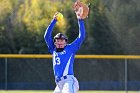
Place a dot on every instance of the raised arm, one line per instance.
(81, 11)
(48, 35)
(78, 41)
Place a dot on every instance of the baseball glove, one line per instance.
(81, 8)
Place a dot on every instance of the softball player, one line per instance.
(63, 57)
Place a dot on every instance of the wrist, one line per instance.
(54, 19)
(80, 19)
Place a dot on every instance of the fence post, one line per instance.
(126, 75)
(5, 73)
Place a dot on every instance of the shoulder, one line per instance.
(70, 47)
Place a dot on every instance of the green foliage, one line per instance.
(5, 9)
(111, 28)
(124, 21)
(104, 41)
(26, 22)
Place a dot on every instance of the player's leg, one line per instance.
(58, 88)
(76, 85)
(70, 86)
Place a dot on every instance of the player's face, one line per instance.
(60, 43)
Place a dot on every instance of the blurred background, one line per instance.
(112, 28)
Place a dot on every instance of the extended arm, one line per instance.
(78, 41)
(48, 36)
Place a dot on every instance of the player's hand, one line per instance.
(81, 9)
(79, 13)
(58, 16)
(55, 16)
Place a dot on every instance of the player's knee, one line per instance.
(68, 92)
(56, 92)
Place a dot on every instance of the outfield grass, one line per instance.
(41, 91)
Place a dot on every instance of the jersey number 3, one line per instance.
(57, 61)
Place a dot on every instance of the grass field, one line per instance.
(41, 91)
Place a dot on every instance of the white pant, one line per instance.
(69, 85)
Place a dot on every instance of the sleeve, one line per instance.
(48, 36)
(78, 41)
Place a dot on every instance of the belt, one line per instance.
(61, 78)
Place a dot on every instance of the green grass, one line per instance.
(43, 91)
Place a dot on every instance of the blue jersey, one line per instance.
(63, 61)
